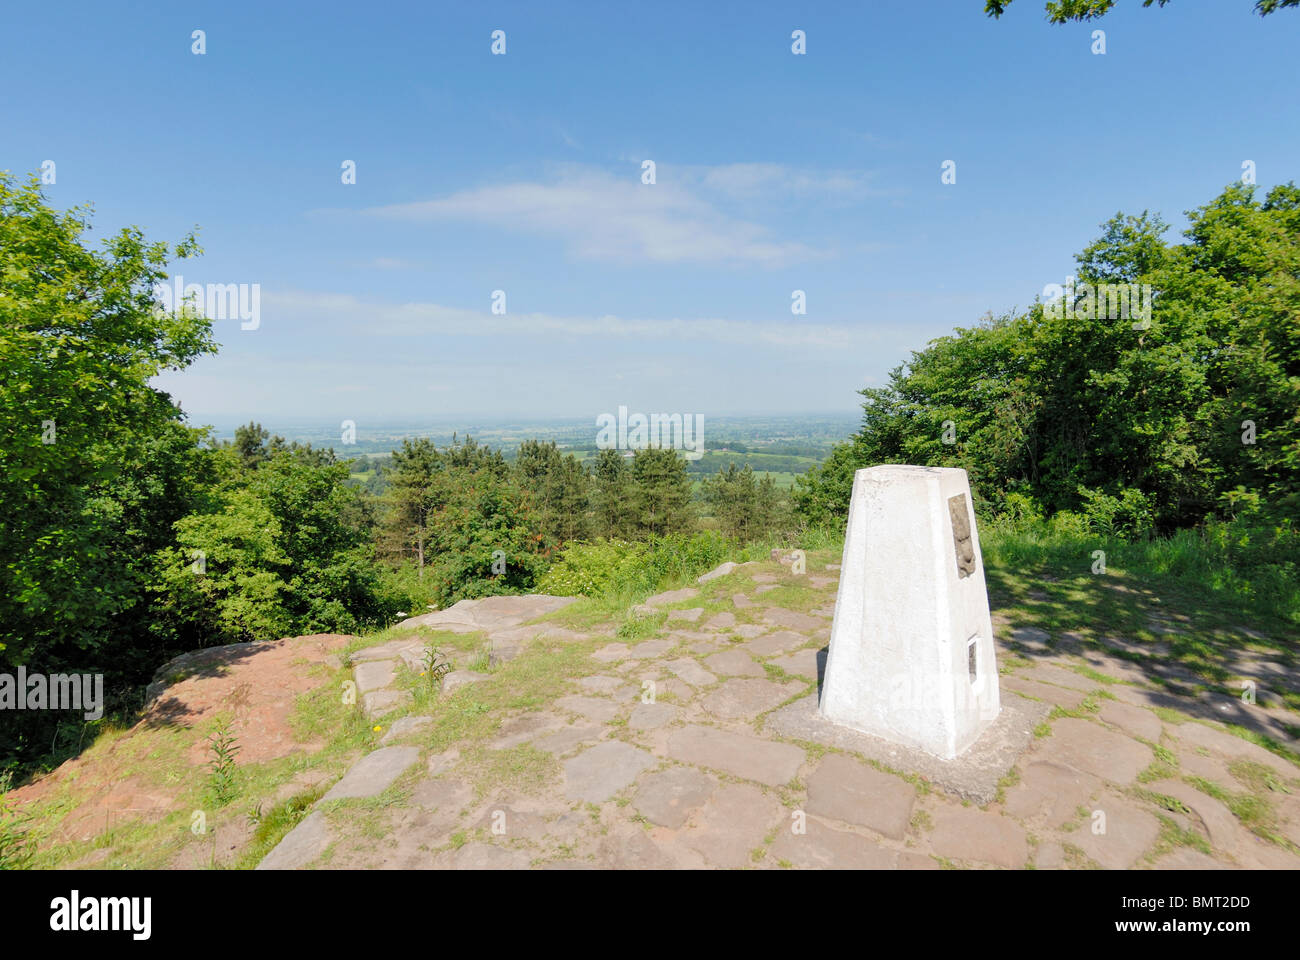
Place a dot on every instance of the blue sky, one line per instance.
(522, 173)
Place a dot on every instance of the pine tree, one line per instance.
(661, 492)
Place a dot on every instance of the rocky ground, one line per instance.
(573, 741)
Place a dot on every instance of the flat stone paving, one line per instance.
(702, 748)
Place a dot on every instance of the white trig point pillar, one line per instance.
(911, 656)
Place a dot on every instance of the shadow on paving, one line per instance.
(1190, 648)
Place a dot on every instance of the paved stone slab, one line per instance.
(461, 678)
(374, 773)
(1222, 742)
(1132, 720)
(1057, 696)
(383, 651)
(567, 738)
(741, 755)
(631, 849)
(973, 775)
(1050, 673)
(967, 833)
(690, 671)
(1118, 667)
(746, 699)
(808, 663)
(749, 630)
(670, 796)
(674, 687)
(440, 763)
(1151, 697)
(846, 789)
(734, 663)
(1187, 858)
(405, 727)
(1050, 855)
(733, 823)
(506, 823)
(822, 848)
(377, 703)
(1224, 830)
(719, 571)
(600, 711)
(702, 648)
(597, 774)
(1213, 768)
(1289, 812)
(791, 619)
(374, 674)
(627, 693)
(650, 649)
(489, 613)
(782, 641)
(611, 652)
(1034, 639)
(1050, 793)
(651, 716)
(721, 621)
(445, 795)
(483, 856)
(740, 601)
(692, 615)
(1090, 747)
(521, 729)
(601, 684)
(672, 596)
(1129, 832)
(301, 845)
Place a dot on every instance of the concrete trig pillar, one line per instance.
(911, 655)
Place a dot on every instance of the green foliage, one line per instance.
(15, 851)
(222, 783)
(1076, 11)
(1138, 428)
(660, 496)
(611, 516)
(80, 340)
(556, 490)
(1247, 564)
(615, 567)
(413, 496)
(436, 664)
(286, 547)
(745, 506)
(592, 569)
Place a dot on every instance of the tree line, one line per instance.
(1136, 425)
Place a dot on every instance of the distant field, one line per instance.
(780, 447)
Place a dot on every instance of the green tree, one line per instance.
(251, 445)
(1153, 423)
(415, 492)
(611, 505)
(556, 487)
(92, 457)
(661, 492)
(745, 506)
(287, 549)
(1076, 11)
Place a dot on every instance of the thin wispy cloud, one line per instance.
(351, 316)
(602, 217)
(760, 181)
